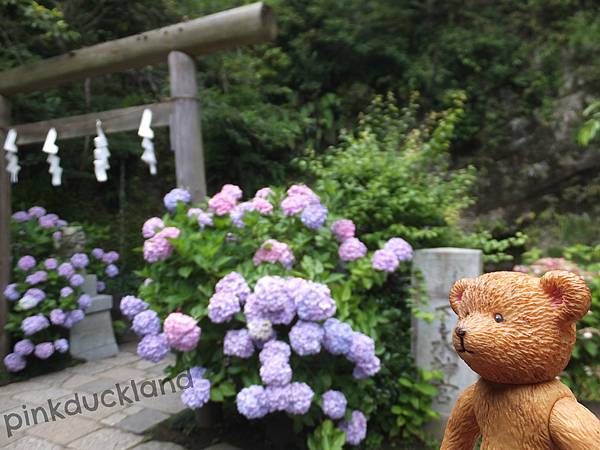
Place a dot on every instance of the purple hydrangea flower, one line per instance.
(84, 302)
(334, 404)
(61, 223)
(48, 221)
(338, 337)
(80, 260)
(26, 263)
(205, 219)
(385, 260)
(66, 270)
(306, 338)
(252, 402)
(314, 216)
(98, 253)
(276, 372)
(146, 322)
(271, 300)
(66, 291)
(44, 350)
(223, 306)
(132, 306)
(273, 350)
(14, 362)
(36, 211)
(57, 317)
(50, 264)
(300, 398)
(76, 280)
(314, 302)
(234, 283)
(401, 248)
(238, 343)
(73, 317)
(277, 397)
(237, 214)
(11, 293)
(196, 396)
(100, 286)
(355, 429)
(152, 226)
(110, 257)
(273, 251)
(153, 347)
(61, 345)
(24, 347)
(21, 216)
(352, 249)
(366, 369)
(33, 324)
(111, 271)
(176, 195)
(57, 235)
(36, 293)
(343, 229)
(36, 277)
(362, 348)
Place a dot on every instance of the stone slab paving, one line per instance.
(117, 427)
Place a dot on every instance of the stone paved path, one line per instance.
(115, 428)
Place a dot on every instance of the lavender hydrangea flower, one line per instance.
(314, 216)
(238, 343)
(277, 398)
(196, 396)
(205, 219)
(273, 251)
(152, 226)
(11, 293)
(314, 302)
(100, 286)
(264, 193)
(237, 214)
(110, 257)
(401, 248)
(57, 235)
(306, 338)
(385, 260)
(232, 190)
(366, 369)
(44, 350)
(14, 362)
(146, 322)
(355, 429)
(174, 196)
(252, 402)
(362, 348)
(300, 398)
(334, 404)
(273, 350)
(66, 270)
(21, 216)
(51, 264)
(111, 271)
(276, 372)
(271, 300)
(33, 324)
(57, 317)
(73, 317)
(48, 221)
(36, 212)
(234, 283)
(132, 306)
(223, 306)
(352, 249)
(84, 302)
(338, 337)
(37, 277)
(80, 260)
(153, 347)
(76, 280)
(26, 263)
(24, 347)
(36, 293)
(61, 345)
(66, 291)
(98, 253)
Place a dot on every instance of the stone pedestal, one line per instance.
(93, 338)
(438, 269)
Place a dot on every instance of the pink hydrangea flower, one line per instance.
(182, 331)
(151, 226)
(343, 229)
(273, 251)
(232, 191)
(264, 193)
(158, 248)
(262, 206)
(298, 198)
(222, 203)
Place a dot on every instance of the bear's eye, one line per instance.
(498, 318)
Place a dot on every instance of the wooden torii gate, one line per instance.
(245, 25)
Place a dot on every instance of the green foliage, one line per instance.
(589, 130)
(326, 437)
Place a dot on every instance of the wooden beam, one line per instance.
(5, 216)
(186, 134)
(114, 121)
(249, 24)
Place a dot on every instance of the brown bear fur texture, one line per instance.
(517, 332)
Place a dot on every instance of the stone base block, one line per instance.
(93, 338)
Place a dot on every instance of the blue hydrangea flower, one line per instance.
(338, 337)
(252, 402)
(44, 350)
(66, 291)
(36, 277)
(14, 362)
(36, 293)
(61, 345)
(362, 349)
(132, 306)
(73, 317)
(66, 270)
(314, 216)
(76, 280)
(196, 396)
(146, 322)
(223, 306)
(355, 428)
(366, 369)
(234, 283)
(84, 302)
(153, 347)
(26, 263)
(278, 398)
(275, 349)
(276, 372)
(24, 347)
(80, 260)
(50, 264)
(271, 300)
(314, 302)
(57, 317)
(11, 293)
(238, 343)
(306, 338)
(33, 324)
(300, 398)
(334, 404)
(176, 195)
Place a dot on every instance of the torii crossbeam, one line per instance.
(236, 27)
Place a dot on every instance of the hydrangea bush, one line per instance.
(263, 300)
(46, 291)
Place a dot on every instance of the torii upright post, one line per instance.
(5, 209)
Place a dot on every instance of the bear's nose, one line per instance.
(461, 332)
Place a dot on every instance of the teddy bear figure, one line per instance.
(517, 332)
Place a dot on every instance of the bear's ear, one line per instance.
(457, 291)
(568, 293)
